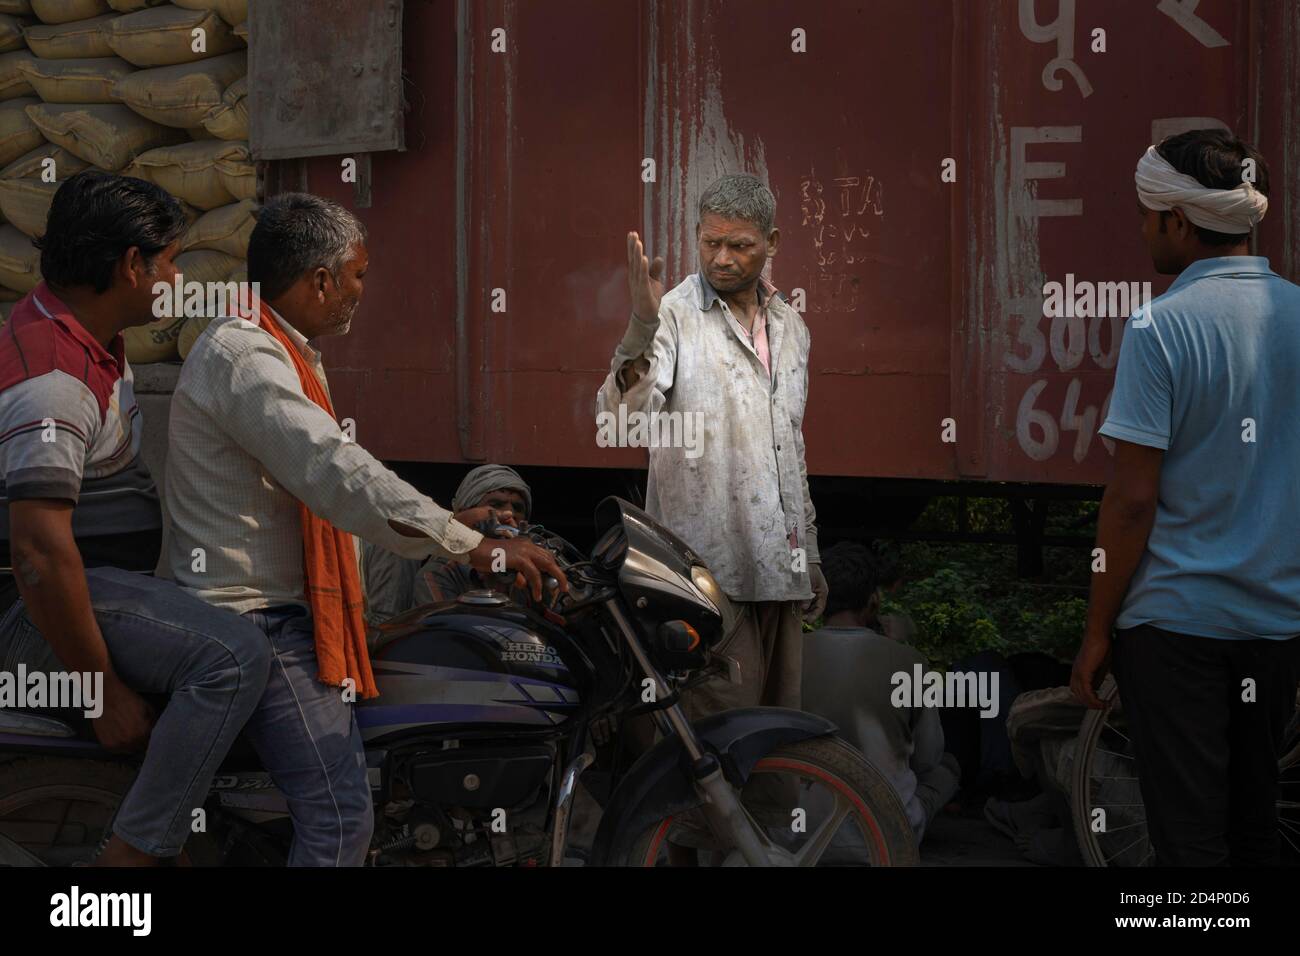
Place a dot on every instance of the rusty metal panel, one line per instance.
(863, 216)
(924, 297)
(325, 77)
(1059, 127)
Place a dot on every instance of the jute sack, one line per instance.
(229, 118)
(79, 39)
(104, 134)
(232, 11)
(189, 171)
(130, 6)
(17, 8)
(241, 31)
(65, 11)
(12, 81)
(26, 204)
(180, 96)
(32, 165)
(205, 265)
(20, 261)
(195, 325)
(17, 128)
(155, 342)
(165, 35)
(11, 33)
(238, 174)
(75, 80)
(225, 229)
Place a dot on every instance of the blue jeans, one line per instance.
(309, 742)
(163, 641)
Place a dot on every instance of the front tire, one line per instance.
(854, 818)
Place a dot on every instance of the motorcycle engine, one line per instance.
(472, 805)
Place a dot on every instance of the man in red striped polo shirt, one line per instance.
(80, 522)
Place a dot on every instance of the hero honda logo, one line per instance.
(525, 652)
(522, 652)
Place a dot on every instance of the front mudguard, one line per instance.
(660, 784)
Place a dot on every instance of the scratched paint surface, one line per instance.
(1066, 123)
(924, 298)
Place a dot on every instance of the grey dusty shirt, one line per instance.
(742, 489)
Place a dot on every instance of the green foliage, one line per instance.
(966, 598)
(951, 619)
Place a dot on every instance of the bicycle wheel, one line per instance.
(1109, 818)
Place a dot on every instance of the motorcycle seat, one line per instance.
(34, 723)
(53, 725)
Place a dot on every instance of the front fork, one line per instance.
(723, 810)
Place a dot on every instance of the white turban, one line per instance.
(1231, 211)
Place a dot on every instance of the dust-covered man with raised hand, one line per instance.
(723, 349)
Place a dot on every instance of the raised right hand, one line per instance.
(644, 281)
(127, 720)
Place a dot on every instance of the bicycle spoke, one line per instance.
(1115, 729)
(1127, 826)
(1114, 754)
(1125, 850)
(1286, 836)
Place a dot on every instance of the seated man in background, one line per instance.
(395, 584)
(847, 668)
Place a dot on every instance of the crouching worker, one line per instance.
(262, 478)
(395, 584)
(847, 671)
(81, 525)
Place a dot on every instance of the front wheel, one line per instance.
(818, 800)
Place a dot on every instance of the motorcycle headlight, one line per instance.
(704, 580)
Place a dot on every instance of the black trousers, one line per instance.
(1206, 758)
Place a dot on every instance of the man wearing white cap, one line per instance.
(1199, 523)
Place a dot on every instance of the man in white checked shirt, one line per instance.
(254, 464)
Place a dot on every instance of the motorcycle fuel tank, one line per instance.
(458, 665)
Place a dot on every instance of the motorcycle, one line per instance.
(493, 716)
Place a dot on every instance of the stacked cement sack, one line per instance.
(146, 88)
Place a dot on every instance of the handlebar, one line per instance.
(566, 556)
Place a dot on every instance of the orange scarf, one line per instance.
(329, 565)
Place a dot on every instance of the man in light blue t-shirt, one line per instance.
(1200, 524)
